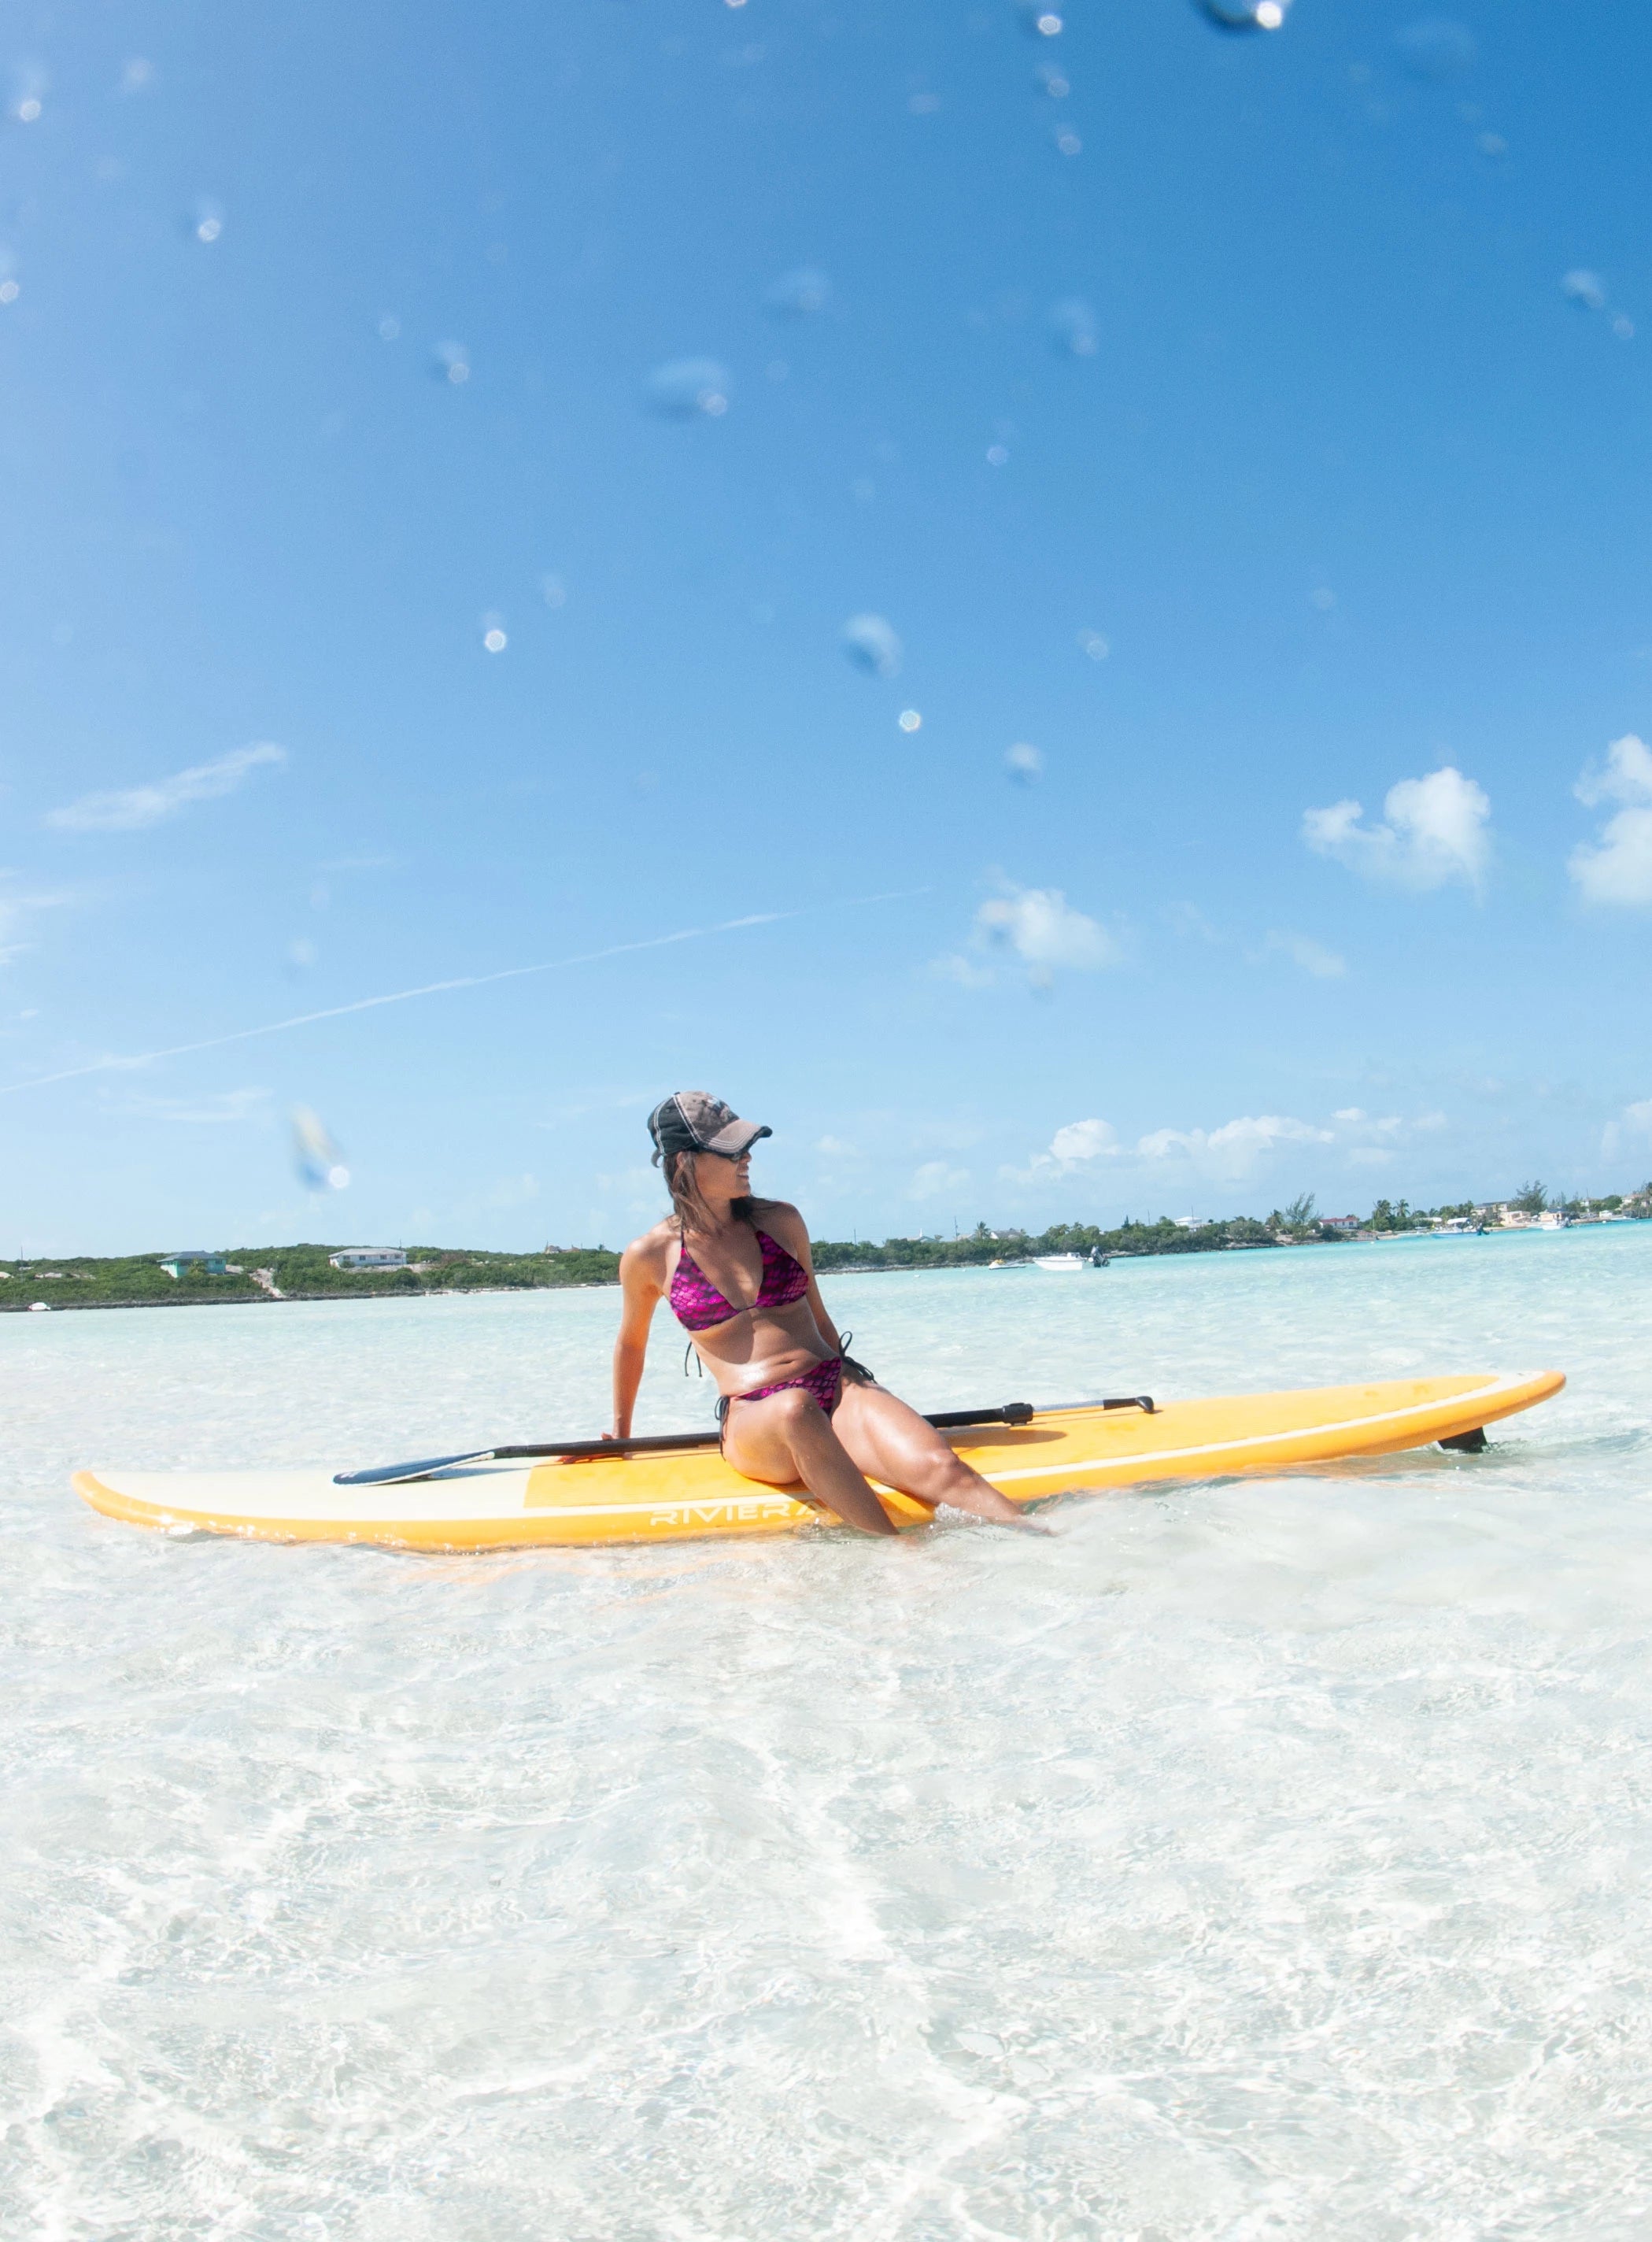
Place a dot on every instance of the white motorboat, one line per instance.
(1062, 1264)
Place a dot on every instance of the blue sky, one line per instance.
(1223, 429)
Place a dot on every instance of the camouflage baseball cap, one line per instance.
(694, 1121)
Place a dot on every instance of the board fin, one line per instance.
(1468, 1444)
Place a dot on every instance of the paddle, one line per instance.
(1013, 1413)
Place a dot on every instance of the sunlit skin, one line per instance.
(786, 1437)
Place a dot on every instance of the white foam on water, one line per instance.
(1260, 1859)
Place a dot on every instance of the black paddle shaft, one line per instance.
(1012, 1413)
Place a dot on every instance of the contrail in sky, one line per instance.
(441, 988)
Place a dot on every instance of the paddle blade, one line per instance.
(392, 1475)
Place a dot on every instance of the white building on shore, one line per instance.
(369, 1256)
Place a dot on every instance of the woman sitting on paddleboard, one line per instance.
(738, 1277)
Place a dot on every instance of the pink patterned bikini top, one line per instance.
(697, 1303)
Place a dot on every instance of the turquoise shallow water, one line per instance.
(1256, 1859)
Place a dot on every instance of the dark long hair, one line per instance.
(690, 1209)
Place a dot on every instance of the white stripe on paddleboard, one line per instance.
(1228, 1448)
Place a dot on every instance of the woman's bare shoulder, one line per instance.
(648, 1252)
(779, 1214)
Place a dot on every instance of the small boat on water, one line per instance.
(1061, 1264)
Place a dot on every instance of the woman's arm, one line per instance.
(639, 1296)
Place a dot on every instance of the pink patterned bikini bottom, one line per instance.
(824, 1381)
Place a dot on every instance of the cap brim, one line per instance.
(736, 1136)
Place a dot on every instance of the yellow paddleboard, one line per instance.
(665, 1497)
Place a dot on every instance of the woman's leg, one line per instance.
(890, 1441)
(788, 1436)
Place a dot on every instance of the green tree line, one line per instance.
(260, 1273)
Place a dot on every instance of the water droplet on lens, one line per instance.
(1243, 15)
(451, 362)
(205, 222)
(909, 720)
(137, 74)
(28, 84)
(390, 328)
(10, 292)
(997, 455)
(1073, 327)
(688, 388)
(799, 292)
(1067, 141)
(1584, 288)
(871, 644)
(494, 640)
(1039, 20)
(1024, 763)
(1095, 645)
(1622, 328)
(316, 1158)
(1052, 81)
(553, 591)
(1324, 599)
(1492, 144)
(1436, 47)
(923, 104)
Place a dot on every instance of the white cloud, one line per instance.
(514, 1190)
(1230, 1149)
(1620, 869)
(1617, 869)
(964, 970)
(836, 1148)
(1632, 1128)
(1437, 830)
(1312, 956)
(1084, 1140)
(1237, 1144)
(132, 809)
(1626, 776)
(1045, 933)
(934, 1177)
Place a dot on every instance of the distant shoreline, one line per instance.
(197, 1295)
(289, 1299)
